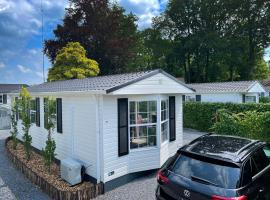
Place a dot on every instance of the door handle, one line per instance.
(261, 190)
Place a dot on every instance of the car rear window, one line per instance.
(222, 176)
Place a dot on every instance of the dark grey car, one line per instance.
(216, 167)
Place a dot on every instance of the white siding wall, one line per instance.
(266, 94)
(157, 84)
(222, 97)
(8, 105)
(139, 159)
(79, 126)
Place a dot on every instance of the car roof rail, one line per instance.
(247, 146)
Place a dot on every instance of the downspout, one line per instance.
(72, 132)
(99, 141)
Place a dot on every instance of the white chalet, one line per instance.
(234, 92)
(116, 125)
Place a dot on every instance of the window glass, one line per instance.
(164, 131)
(33, 111)
(250, 99)
(47, 111)
(1, 98)
(260, 159)
(221, 176)
(164, 120)
(249, 171)
(266, 150)
(143, 119)
(190, 98)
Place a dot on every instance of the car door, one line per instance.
(266, 175)
(260, 174)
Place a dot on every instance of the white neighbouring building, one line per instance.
(5, 91)
(5, 103)
(117, 125)
(233, 92)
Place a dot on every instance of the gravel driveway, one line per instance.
(143, 188)
(13, 184)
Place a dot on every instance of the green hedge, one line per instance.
(250, 124)
(201, 116)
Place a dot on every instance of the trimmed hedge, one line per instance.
(250, 124)
(201, 116)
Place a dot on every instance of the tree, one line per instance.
(71, 62)
(50, 147)
(214, 40)
(108, 34)
(14, 123)
(262, 70)
(253, 20)
(24, 105)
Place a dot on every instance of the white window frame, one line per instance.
(164, 121)
(33, 112)
(250, 96)
(54, 114)
(143, 124)
(190, 98)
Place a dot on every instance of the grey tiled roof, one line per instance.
(234, 86)
(7, 88)
(100, 83)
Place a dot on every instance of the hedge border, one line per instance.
(200, 115)
(49, 189)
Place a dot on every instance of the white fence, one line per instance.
(4, 118)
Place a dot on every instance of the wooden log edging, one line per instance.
(53, 192)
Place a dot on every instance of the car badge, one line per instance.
(187, 193)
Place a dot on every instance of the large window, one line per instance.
(250, 99)
(143, 124)
(164, 120)
(1, 98)
(33, 111)
(49, 104)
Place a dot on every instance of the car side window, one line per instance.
(260, 160)
(247, 173)
(266, 150)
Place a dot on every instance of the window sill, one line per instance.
(143, 149)
(164, 143)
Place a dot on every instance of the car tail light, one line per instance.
(230, 198)
(162, 178)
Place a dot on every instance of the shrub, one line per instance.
(201, 116)
(264, 100)
(250, 124)
(24, 105)
(14, 123)
(48, 153)
(50, 147)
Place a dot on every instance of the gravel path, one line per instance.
(143, 188)
(13, 184)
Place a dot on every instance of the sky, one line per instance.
(21, 33)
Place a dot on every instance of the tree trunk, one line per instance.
(206, 67)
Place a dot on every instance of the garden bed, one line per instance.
(50, 182)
